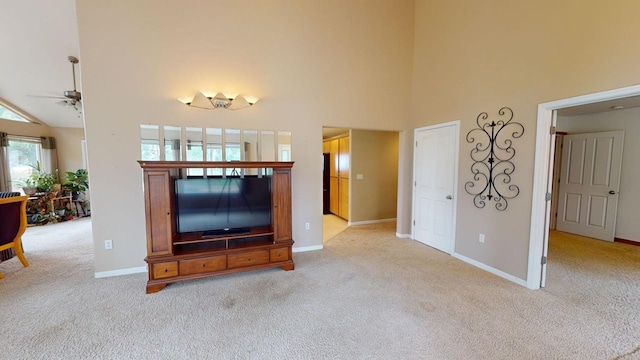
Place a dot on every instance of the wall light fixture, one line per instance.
(210, 100)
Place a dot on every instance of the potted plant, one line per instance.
(61, 211)
(29, 186)
(43, 217)
(42, 180)
(77, 182)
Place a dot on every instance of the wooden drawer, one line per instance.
(164, 270)
(251, 258)
(281, 254)
(204, 265)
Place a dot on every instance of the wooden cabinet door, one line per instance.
(344, 199)
(334, 196)
(326, 146)
(281, 203)
(158, 198)
(344, 157)
(335, 156)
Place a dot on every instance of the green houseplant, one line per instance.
(77, 182)
(40, 180)
(29, 186)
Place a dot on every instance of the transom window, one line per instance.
(6, 114)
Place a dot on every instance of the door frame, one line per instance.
(456, 160)
(543, 173)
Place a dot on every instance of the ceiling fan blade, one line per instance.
(47, 97)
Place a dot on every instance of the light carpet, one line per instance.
(368, 295)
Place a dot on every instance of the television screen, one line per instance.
(223, 205)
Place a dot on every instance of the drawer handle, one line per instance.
(204, 265)
(166, 270)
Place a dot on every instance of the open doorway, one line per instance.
(360, 178)
(543, 172)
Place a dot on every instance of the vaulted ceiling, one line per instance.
(36, 38)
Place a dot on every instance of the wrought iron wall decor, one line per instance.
(492, 154)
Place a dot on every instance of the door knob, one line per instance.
(449, 197)
(612, 192)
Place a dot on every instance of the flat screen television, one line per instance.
(219, 205)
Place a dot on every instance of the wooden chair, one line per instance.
(13, 222)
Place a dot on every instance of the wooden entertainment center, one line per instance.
(173, 256)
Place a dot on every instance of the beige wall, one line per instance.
(68, 143)
(473, 56)
(312, 63)
(627, 226)
(374, 154)
(24, 129)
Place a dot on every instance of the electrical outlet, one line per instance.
(481, 238)
(307, 226)
(108, 244)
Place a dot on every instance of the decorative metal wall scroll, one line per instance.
(491, 155)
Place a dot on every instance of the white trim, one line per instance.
(490, 269)
(456, 127)
(307, 248)
(349, 203)
(83, 149)
(128, 271)
(367, 222)
(403, 236)
(541, 173)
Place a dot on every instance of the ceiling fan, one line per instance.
(72, 98)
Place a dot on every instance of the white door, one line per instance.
(435, 164)
(589, 184)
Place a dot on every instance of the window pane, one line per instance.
(194, 144)
(23, 157)
(284, 146)
(214, 148)
(172, 149)
(267, 145)
(7, 114)
(250, 149)
(150, 150)
(149, 142)
(232, 148)
(194, 149)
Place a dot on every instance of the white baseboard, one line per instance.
(403, 236)
(307, 248)
(488, 268)
(128, 271)
(367, 222)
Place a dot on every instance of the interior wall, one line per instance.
(308, 61)
(24, 129)
(374, 155)
(627, 226)
(473, 57)
(68, 143)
